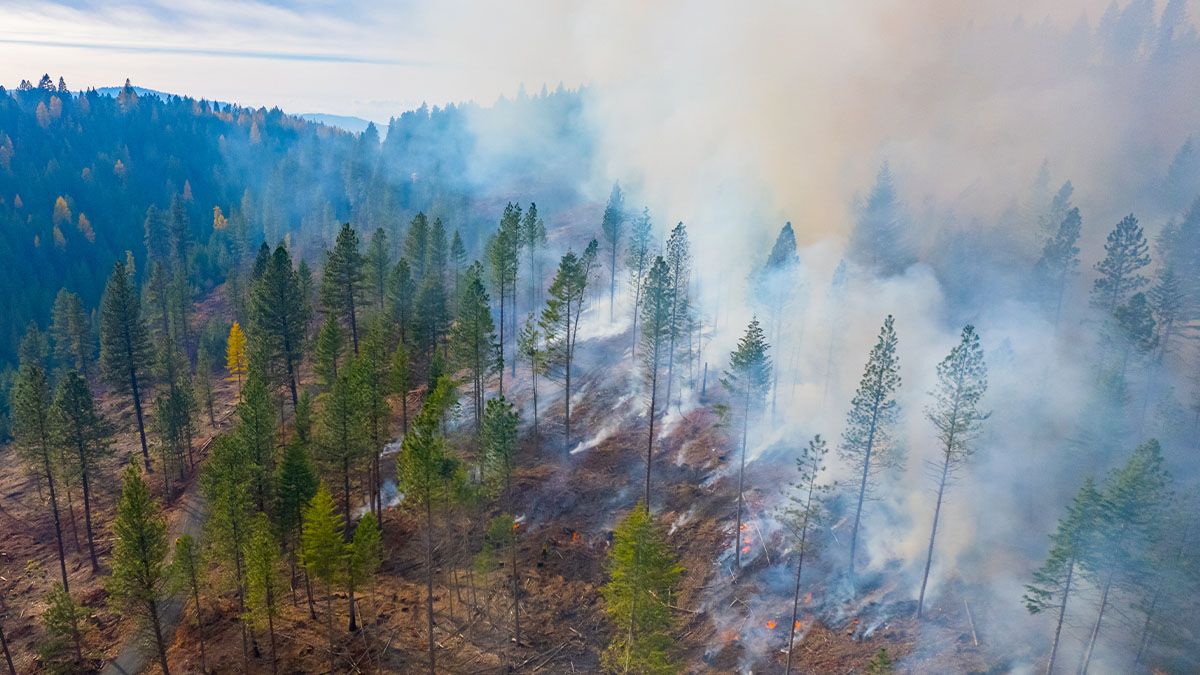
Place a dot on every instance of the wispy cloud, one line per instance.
(216, 51)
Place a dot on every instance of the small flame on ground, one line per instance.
(808, 598)
(771, 624)
(575, 537)
(745, 550)
(797, 626)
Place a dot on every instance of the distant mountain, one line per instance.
(355, 125)
(143, 92)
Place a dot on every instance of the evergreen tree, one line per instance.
(560, 324)
(802, 514)
(867, 441)
(679, 262)
(880, 238)
(639, 262)
(656, 334)
(341, 285)
(1052, 582)
(304, 280)
(531, 350)
(377, 267)
(255, 431)
(295, 485)
(402, 380)
(83, 435)
(188, 569)
(458, 258)
(1136, 334)
(138, 578)
(613, 227)
(777, 282)
(430, 320)
(202, 385)
(29, 404)
(323, 552)
(1169, 302)
(327, 355)
(237, 359)
(124, 344)
(955, 414)
(1126, 254)
(435, 253)
(342, 441)
(1060, 257)
(373, 373)
(747, 380)
(401, 296)
(71, 332)
(263, 581)
(280, 317)
(473, 341)
(228, 485)
(416, 246)
(643, 575)
(61, 619)
(499, 443)
(881, 664)
(533, 239)
(503, 262)
(366, 555)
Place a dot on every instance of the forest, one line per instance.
(464, 394)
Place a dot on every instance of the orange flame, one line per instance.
(745, 550)
(516, 525)
(797, 626)
(771, 624)
(574, 536)
(808, 598)
(743, 527)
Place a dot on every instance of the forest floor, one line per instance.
(568, 504)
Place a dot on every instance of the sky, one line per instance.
(377, 59)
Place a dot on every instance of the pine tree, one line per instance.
(430, 318)
(29, 404)
(263, 581)
(373, 372)
(124, 344)
(458, 258)
(777, 282)
(503, 263)
(803, 513)
(425, 471)
(341, 285)
(323, 552)
(533, 239)
(416, 246)
(955, 413)
(747, 380)
(304, 280)
(327, 357)
(61, 620)
(71, 331)
(643, 575)
(280, 317)
(531, 350)
(377, 266)
(137, 583)
(1168, 300)
(1135, 328)
(881, 664)
(639, 262)
(560, 324)
(867, 441)
(237, 359)
(1126, 254)
(228, 485)
(256, 432)
(435, 253)
(679, 261)
(401, 296)
(656, 334)
(613, 227)
(342, 441)
(202, 385)
(1060, 257)
(187, 572)
(1052, 582)
(402, 380)
(473, 341)
(366, 555)
(83, 435)
(880, 239)
(295, 485)
(498, 439)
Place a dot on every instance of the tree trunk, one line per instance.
(152, 605)
(199, 621)
(329, 625)
(353, 322)
(567, 399)
(12, 670)
(737, 532)
(862, 489)
(650, 438)
(799, 571)
(429, 577)
(1062, 614)
(62, 554)
(87, 511)
(137, 407)
(1087, 656)
(937, 511)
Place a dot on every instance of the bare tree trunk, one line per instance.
(12, 670)
(1062, 614)
(737, 532)
(1087, 656)
(937, 511)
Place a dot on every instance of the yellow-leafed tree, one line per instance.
(237, 361)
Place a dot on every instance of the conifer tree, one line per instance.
(187, 572)
(803, 513)
(1060, 257)
(402, 296)
(458, 259)
(341, 285)
(366, 555)
(880, 240)
(531, 350)
(679, 262)
(533, 239)
(777, 281)
(1126, 254)
(83, 435)
(499, 443)
(1052, 582)
(435, 253)
(304, 280)
(503, 262)
(327, 358)
(955, 414)
(881, 664)
(342, 441)
(473, 341)
(373, 373)
(263, 581)
(280, 316)
(1168, 300)
(202, 385)
(430, 318)
(124, 344)
(643, 576)
(29, 404)
(402, 380)
(416, 246)
(1136, 334)
(323, 552)
(747, 380)
(71, 331)
(425, 472)
(656, 334)
(228, 485)
(237, 358)
(295, 485)
(137, 583)
(560, 324)
(61, 619)
(613, 227)
(256, 432)
(867, 441)
(639, 262)
(377, 267)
